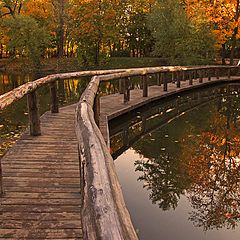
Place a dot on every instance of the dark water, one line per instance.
(179, 166)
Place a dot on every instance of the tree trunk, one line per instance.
(234, 35)
(223, 54)
(60, 30)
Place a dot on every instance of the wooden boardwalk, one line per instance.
(41, 183)
(112, 106)
(41, 174)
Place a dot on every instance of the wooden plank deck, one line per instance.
(41, 183)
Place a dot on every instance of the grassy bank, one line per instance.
(72, 64)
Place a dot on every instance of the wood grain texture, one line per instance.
(42, 184)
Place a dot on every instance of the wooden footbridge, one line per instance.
(59, 181)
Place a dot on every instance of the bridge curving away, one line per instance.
(100, 200)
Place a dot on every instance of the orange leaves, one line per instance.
(220, 14)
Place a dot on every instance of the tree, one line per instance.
(223, 18)
(27, 37)
(176, 37)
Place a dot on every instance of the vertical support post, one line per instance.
(121, 86)
(217, 73)
(54, 98)
(209, 74)
(178, 79)
(229, 73)
(190, 78)
(195, 74)
(201, 76)
(96, 109)
(173, 77)
(159, 82)
(145, 86)
(183, 75)
(33, 111)
(165, 82)
(126, 90)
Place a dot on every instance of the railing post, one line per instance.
(33, 111)
(229, 73)
(173, 77)
(126, 90)
(121, 86)
(54, 98)
(209, 74)
(145, 86)
(183, 75)
(178, 79)
(96, 108)
(217, 73)
(159, 82)
(195, 74)
(190, 78)
(201, 76)
(165, 82)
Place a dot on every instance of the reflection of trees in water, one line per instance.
(206, 167)
(165, 180)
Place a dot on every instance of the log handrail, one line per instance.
(104, 213)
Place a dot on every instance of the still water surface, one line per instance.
(181, 180)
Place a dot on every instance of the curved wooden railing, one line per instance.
(104, 213)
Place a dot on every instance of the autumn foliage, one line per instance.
(95, 29)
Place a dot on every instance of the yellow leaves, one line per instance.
(219, 14)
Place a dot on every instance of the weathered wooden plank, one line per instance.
(33, 195)
(40, 234)
(41, 183)
(42, 224)
(45, 216)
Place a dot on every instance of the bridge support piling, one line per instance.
(34, 116)
(54, 98)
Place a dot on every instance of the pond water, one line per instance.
(178, 162)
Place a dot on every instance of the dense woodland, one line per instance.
(179, 31)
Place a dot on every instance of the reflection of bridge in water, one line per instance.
(127, 130)
(41, 172)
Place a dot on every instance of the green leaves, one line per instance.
(27, 37)
(177, 38)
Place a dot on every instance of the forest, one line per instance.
(178, 31)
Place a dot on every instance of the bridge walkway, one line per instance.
(41, 183)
